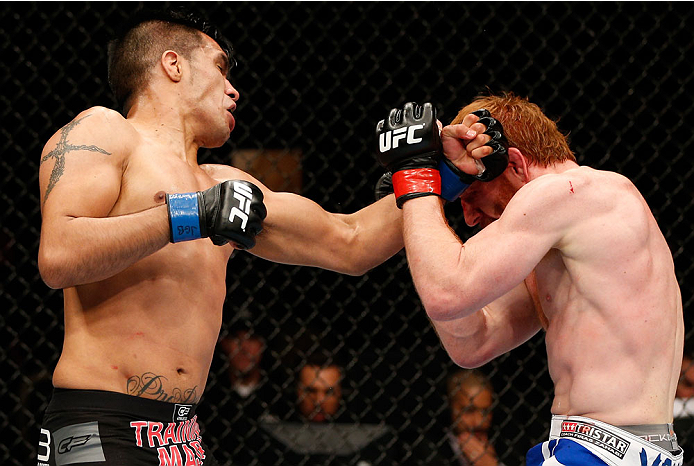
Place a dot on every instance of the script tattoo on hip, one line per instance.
(150, 384)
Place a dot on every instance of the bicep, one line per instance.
(296, 230)
(299, 231)
(501, 256)
(504, 253)
(80, 170)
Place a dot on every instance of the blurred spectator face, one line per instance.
(685, 385)
(471, 409)
(319, 392)
(245, 352)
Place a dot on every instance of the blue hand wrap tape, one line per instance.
(451, 184)
(185, 219)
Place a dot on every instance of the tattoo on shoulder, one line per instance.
(62, 148)
(152, 385)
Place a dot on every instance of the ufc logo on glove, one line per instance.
(244, 195)
(418, 167)
(391, 139)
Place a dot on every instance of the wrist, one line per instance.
(453, 180)
(425, 160)
(417, 182)
(184, 216)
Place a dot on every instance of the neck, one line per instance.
(165, 124)
(535, 171)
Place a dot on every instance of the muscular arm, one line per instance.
(80, 180)
(455, 280)
(491, 331)
(298, 231)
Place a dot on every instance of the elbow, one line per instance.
(353, 270)
(470, 360)
(442, 305)
(51, 276)
(469, 356)
(346, 266)
(52, 270)
(359, 253)
(435, 310)
(358, 269)
(354, 258)
(368, 261)
(51, 280)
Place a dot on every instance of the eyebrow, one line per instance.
(223, 59)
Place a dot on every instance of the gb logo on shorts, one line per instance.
(181, 412)
(244, 195)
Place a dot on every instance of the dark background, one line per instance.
(316, 77)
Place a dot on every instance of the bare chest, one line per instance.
(150, 174)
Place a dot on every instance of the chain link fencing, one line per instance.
(314, 79)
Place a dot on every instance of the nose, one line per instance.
(472, 216)
(231, 91)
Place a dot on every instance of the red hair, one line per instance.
(525, 127)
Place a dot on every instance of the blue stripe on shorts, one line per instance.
(562, 452)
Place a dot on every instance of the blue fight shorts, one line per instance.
(581, 441)
(113, 429)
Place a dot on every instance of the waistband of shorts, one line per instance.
(660, 435)
(105, 401)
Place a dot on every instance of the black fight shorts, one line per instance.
(102, 428)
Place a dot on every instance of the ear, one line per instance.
(518, 164)
(171, 64)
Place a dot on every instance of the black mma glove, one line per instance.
(384, 186)
(409, 146)
(229, 211)
(454, 181)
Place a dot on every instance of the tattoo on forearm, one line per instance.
(62, 148)
(150, 384)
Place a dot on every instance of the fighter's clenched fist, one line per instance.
(229, 211)
(454, 178)
(409, 146)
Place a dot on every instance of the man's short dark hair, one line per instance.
(138, 47)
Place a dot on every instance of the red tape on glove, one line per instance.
(418, 180)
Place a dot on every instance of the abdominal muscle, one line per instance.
(136, 370)
(147, 332)
(595, 376)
